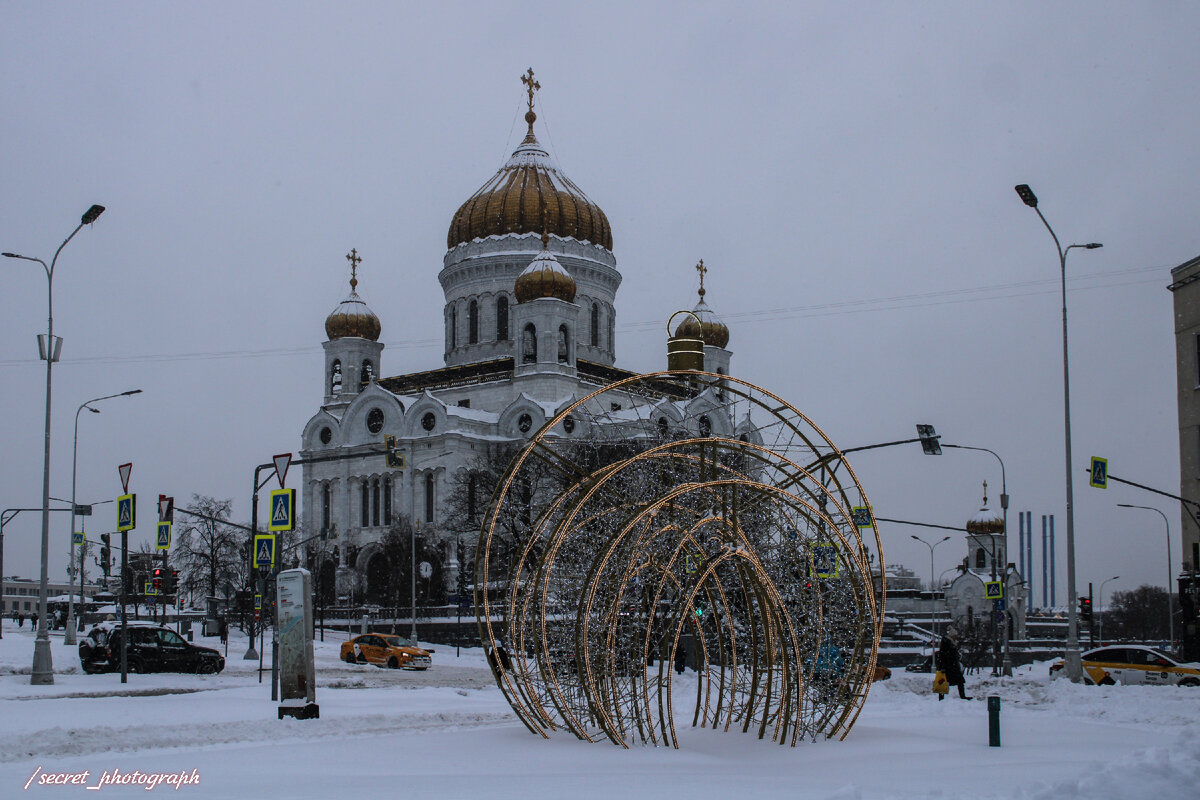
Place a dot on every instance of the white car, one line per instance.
(1133, 663)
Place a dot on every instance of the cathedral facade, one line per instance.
(530, 282)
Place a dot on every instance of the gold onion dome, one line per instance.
(711, 329)
(986, 521)
(352, 318)
(530, 195)
(544, 277)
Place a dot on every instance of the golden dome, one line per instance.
(986, 521)
(530, 195)
(711, 329)
(544, 277)
(352, 318)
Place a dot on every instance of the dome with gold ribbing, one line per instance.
(544, 277)
(352, 317)
(711, 329)
(986, 520)
(530, 195)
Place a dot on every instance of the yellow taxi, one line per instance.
(385, 651)
(1133, 663)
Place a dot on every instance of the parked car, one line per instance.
(385, 651)
(152, 648)
(1132, 663)
(924, 664)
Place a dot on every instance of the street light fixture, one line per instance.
(1071, 656)
(932, 603)
(1100, 610)
(69, 636)
(43, 664)
(1170, 611)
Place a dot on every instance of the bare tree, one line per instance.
(1140, 614)
(209, 554)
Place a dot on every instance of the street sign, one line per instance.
(692, 562)
(1099, 473)
(166, 508)
(1001, 604)
(126, 512)
(283, 510)
(164, 536)
(282, 461)
(149, 588)
(258, 602)
(76, 539)
(993, 590)
(825, 560)
(83, 510)
(124, 471)
(264, 551)
(861, 516)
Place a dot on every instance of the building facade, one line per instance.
(1185, 291)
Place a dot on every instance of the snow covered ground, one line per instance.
(448, 733)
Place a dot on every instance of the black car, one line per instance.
(921, 665)
(152, 648)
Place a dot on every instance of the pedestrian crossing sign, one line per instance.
(283, 510)
(861, 516)
(164, 536)
(126, 512)
(76, 539)
(1099, 472)
(993, 590)
(149, 588)
(264, 551)
(825, 560)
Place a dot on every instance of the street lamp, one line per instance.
(932, 603)
(1071, 656)
(69, 636)
(43, 664)
(1100, 610)
(1170, 612)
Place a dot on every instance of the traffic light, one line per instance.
(158, 579)
(1085, 608)
(105, 552)
(173, 582)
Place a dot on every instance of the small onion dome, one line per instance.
(544, 277)
(714, 332)
(986, 521)
(530, 195)
(352, 318)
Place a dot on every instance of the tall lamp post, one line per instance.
(69, 636)
(932, 604)
(43, 664)
(1071, 656)
(1100, 601)
(1170, 611)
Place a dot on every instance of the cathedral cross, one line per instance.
(531, 86)
(700, 268)
(354, 260)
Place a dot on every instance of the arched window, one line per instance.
(595, 324)
(326, 509)
(429, 498)
(564, 345)
(452, 327)
(368, 373)
(387, 500)
(375, 502)
(502, 319)
(473, 323)
(366, 504)
(529, 345)
(980, 559)
(335, 377)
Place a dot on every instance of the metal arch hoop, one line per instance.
(607, 556)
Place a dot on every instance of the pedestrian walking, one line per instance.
(20, 620)
(949, 665)
(680, 658)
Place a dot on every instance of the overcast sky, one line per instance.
(845, 170)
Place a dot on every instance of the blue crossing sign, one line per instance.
(126, 512)
(825, 560)
(76, 539)
(164, 536)
(283, 510)
(861, 516)
(993, 590)
(264, 551)
(1099, 471)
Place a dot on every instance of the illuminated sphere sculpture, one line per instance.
(672, 519)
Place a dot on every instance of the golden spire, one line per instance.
(531, 86)
(354, 260)
(700, 268)
(985, 494)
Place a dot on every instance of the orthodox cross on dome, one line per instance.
(985, 494)
(700, 268)
(531, 86)
(354, 260)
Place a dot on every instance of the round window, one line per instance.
(524, 423)
(326, 435)
(375, 420)
(569, 424)
(428, 421)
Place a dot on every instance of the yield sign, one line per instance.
(282, 462)
(125, 469)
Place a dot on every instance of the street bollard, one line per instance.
(994, 721)
(364, 628)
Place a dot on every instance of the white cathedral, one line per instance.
(530, 282)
